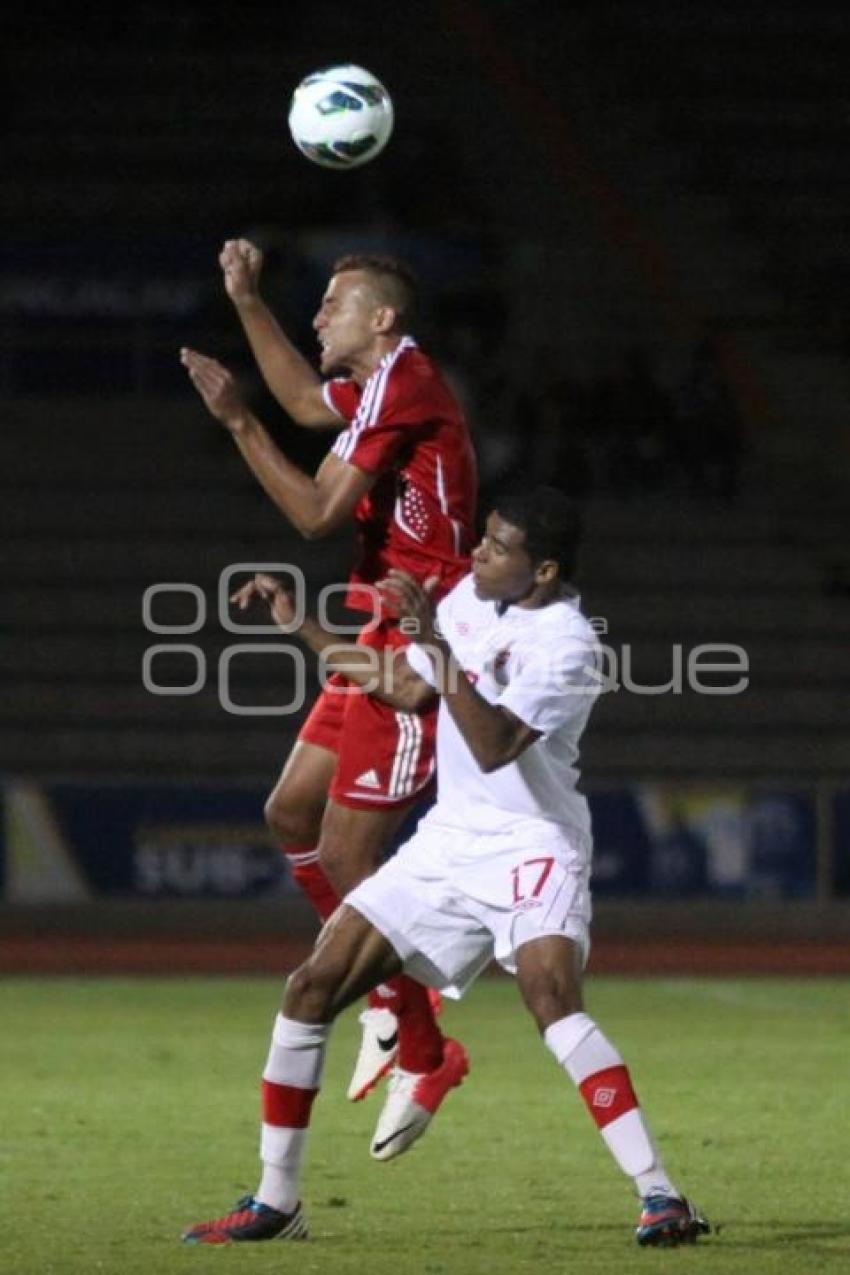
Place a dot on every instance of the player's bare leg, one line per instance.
(549, 972)
(294, 811)
(353, 842)
(399, 1025)
(350, 957)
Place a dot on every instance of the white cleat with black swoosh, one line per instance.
(378, 1049)
(412, 1100)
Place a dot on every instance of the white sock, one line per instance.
(291, 1081)
(600, 1074)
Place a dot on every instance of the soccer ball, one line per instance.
(341, 117)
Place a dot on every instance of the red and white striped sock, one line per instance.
(304, 866)
(291, 1081)
(603, 1080)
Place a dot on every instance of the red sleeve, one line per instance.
(342, 396)
(400, 418)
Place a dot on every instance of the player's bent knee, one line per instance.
(289, 821)
(274, 817)
(547, 1009)
(549, 999)
(310, 993)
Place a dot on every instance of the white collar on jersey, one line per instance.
(502, 608)
(406, 343)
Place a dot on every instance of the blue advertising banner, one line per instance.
(841, 843)
(689, 841)
(169, 841)
(67, 843)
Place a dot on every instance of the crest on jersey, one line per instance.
(499, 666)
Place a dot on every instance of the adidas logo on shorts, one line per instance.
(369, 779)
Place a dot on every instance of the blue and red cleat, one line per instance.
(665, 1220)
(250, 1220)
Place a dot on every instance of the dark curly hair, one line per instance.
(551, 522)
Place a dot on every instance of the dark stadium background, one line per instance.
(632, 225)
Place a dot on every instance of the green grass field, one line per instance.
(129, 1109)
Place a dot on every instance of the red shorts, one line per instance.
(385, 757)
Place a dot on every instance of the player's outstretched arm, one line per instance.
(384, 673)
(289, 376)
(314, 506)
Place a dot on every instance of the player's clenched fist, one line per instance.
(241, 262)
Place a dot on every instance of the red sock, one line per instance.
(304, 866)
(385, 995)
(420, 1041)
(608, 1094)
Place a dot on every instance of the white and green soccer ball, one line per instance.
(341, 117)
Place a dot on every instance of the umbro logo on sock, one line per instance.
(369, 779)
(604, 1098)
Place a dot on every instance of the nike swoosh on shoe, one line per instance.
(379, 1146)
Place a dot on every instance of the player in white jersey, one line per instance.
(498, 868)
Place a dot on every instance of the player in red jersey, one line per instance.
(404, 469)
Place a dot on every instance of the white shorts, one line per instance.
(450, 902)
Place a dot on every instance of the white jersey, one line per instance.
(541, 665)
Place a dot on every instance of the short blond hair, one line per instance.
(394, 282)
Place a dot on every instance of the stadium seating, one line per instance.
(147, 493)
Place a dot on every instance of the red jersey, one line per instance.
(407, 428)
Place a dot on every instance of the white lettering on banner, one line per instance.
(186, 868)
